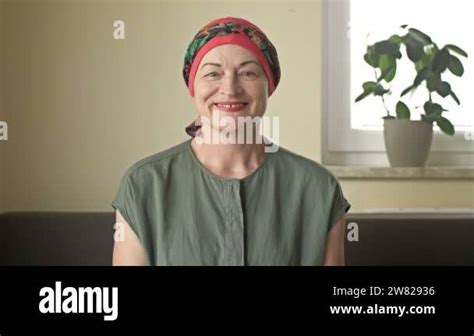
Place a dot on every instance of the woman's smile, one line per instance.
(231, 106)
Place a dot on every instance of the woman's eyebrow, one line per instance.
(215, 64)
(248, 62)
(241, 64)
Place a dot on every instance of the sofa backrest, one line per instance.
(50, 238)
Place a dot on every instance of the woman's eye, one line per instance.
(213, 74)
(249, 74)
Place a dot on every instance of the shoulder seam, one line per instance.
(312, 162)
(133, 169)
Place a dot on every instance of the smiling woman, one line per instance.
(201, 203)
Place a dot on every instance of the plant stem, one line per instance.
(383, 99)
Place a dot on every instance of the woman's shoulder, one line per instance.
(157, 163)
(302, 166)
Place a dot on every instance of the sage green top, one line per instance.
(185, 215)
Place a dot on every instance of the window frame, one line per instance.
(342, 145)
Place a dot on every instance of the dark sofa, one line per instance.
(51, 238)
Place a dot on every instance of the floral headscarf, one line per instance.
(230, 30)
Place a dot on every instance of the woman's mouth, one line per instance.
(231, 106)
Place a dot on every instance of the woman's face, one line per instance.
(230, 82)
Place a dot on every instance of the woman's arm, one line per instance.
(129, 251)
(334, 252)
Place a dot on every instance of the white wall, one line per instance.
(82, 107)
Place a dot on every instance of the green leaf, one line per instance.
(362, 96)
(456, 99)
(386, 47)
(420, 36)
(414, 49)
(391, 74)
(367, 59)
(424, 61)
(441, 61)
(403, 112)
(421, 76)
(369, 86)
(387, 62)
(371, 57)
(443, 89)
(404, 26)
(433, 81)
(368, 89)
(445, 125)
(395, 39)
(431, 117)
(379, 90)
(385, 73)
(419, 66)
(456, 49)
(455, 66)
(433, 108)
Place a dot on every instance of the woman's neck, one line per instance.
(229, 160)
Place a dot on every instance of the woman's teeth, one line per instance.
(230, 105)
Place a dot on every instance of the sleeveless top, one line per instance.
(183, 214)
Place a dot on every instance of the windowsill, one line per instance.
(373, 172)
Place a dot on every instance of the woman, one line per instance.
(214, 203)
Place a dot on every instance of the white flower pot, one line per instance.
(408, 142)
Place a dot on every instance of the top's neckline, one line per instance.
(245, 179)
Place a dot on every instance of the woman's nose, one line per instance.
(230, 85)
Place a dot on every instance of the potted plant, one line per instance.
(407, 141)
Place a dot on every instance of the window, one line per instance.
(353, 132)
